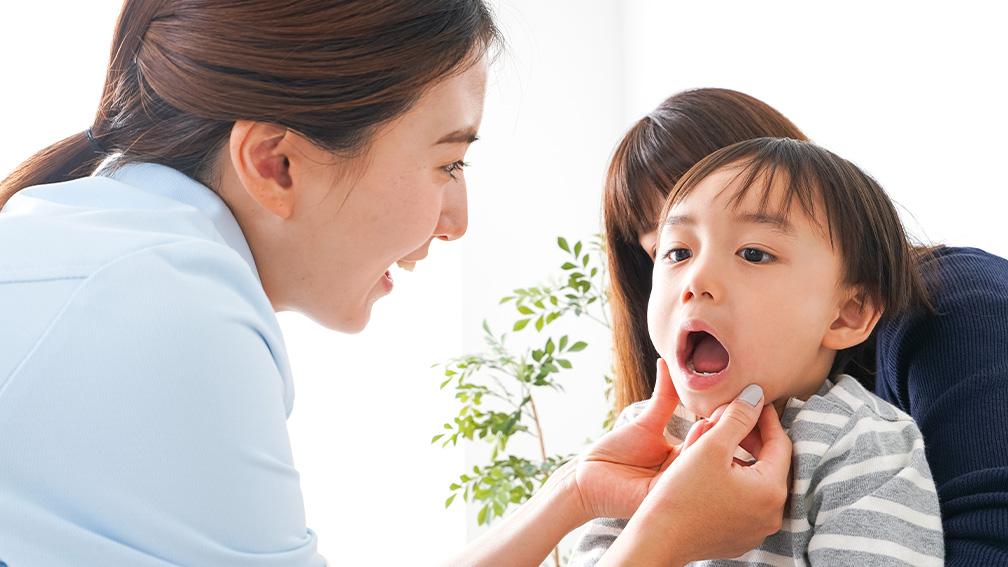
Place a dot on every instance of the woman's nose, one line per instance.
(454, 219)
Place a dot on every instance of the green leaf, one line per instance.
(520, 324)
(539, 323)
(506, 299)
(577, 248)
(436, 437)
(584, 262)
(594, 271)
(450, 500)
(563, 244)
(524, 310)
(563, 342)
(550, 347)
(568, 266)
(553, 300)
(564, 363)
(481, 518)
(578, 346)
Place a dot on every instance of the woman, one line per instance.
(948, 370)
(248, 158)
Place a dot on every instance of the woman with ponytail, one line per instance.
(247, 158)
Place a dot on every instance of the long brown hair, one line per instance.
(646, 164)
(877, 258)
(181, 72)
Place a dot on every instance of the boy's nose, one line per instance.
(704, 282)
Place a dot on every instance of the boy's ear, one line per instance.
(260, 154)
(854, 322)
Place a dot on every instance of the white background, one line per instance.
(912, 92)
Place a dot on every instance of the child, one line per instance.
(775, 260)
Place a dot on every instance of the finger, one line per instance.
(739, 418)
(663, 402)
(696, 431)
(753, 443)
(717, 414)
(775, 455)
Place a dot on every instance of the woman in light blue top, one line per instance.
(250, 157)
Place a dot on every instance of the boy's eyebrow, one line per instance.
(461, 136)
(678, 220)
(778, 223)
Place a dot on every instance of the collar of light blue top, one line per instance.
(172, 184)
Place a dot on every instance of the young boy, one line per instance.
(775, 260)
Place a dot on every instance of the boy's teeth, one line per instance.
(692, 369)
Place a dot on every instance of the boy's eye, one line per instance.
(678, 254)
(756, 256)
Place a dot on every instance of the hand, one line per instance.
(706, 505)
(615, 474)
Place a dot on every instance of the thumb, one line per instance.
(739, 418)
(663, 402)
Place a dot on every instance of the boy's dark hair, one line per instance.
(860, 219)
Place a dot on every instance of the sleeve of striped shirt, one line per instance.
(600, 533)
(872, 501)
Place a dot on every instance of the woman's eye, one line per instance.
(676, 255)
(455, 168)
(756, 256)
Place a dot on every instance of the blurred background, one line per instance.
(913, 92)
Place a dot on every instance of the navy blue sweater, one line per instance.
(950, 372)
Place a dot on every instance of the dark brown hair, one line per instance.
(853, 210)
(182, 72)
(646, 164)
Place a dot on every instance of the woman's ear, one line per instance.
(855, 319)
(260, 153)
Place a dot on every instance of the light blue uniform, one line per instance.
(144, 383)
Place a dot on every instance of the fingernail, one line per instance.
(751, 395)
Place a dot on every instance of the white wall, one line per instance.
(913, 94)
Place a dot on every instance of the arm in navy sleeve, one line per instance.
(950, 372)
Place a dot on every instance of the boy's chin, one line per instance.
(698, 405)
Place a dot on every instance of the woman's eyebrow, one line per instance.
(461, 136)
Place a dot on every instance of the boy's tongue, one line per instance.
(709, 356)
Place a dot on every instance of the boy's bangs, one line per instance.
(780, 178)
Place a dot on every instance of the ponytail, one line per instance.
(67, 159)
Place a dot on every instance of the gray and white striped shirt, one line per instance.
(862, 493)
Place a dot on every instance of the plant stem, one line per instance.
(542, 451)
(539, 433)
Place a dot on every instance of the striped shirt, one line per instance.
(862, 493)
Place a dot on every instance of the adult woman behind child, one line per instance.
(949, 370)
(248, 158)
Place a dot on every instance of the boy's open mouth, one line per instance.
(705, 355)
